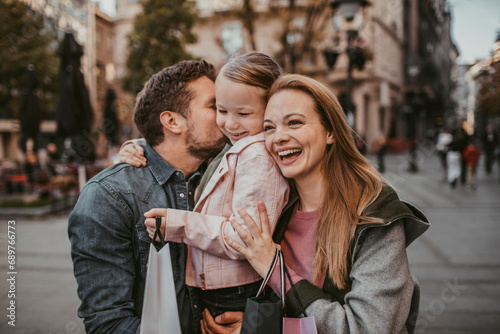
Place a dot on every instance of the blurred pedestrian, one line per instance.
(360, 143)
(454, 156)
(490, 142)
(465, 140)
(443, 140)
(471, 156)
(31, 167)
(380, 148)
(52, 158)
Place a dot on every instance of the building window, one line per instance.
(232, 37)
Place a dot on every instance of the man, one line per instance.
(175, 113)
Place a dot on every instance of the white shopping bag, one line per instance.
(159, 313)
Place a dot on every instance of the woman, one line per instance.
(344, 233)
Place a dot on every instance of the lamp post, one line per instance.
(348, 9)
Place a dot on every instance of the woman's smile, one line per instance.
(288, 155)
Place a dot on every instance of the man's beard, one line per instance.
(205, 150)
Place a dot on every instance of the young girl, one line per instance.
(245, 174)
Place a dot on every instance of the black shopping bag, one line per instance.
(263, 313)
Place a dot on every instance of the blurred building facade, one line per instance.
(460, 97)
(78, 18)
(98, 34)
(60, 16)
(405, 44)
(406, 48)
(483, 80)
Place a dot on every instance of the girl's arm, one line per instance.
(132, 152)
(257, 178)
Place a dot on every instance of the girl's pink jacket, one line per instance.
(246, 175)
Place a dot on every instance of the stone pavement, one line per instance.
(457, 261)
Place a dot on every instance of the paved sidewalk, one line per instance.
(457, 261)
(46, 299)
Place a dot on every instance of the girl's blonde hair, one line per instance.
(352, 183)
(252, 68)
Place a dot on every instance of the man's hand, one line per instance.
(150, 222)
(226, 323)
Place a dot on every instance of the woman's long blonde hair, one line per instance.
(352, 183)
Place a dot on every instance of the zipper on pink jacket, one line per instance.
(202, 275)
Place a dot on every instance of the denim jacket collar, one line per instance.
(162, 170)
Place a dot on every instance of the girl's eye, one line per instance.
(294, 122)
(221, 111)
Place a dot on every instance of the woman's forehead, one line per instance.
(289, 101)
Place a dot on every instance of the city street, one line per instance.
(457, 261)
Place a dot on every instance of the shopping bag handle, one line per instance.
(302, 309)
(278, 256)
(158, 232)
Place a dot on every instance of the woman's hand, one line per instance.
(226, 323)
(260, 248)
(133, 154)
(150, 222)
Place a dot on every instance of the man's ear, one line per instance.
(171, 121)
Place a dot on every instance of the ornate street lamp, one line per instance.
(348, 9)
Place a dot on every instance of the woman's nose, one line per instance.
(280, 135)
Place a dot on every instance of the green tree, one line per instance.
(160, 33)
(24, 41)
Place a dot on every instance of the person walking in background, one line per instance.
(463, 165)
(471, 156)
(360, 143)
(454, 156)
(443, 140)
(380, 148)
(490, 142)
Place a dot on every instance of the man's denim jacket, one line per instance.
(110, 244)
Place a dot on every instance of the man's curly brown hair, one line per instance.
(166, 90)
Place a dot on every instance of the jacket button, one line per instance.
(181, 195)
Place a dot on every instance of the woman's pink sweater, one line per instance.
(298, 249)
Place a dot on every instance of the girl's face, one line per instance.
(295, 136)
(240, 108)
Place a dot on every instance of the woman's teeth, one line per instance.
(288, 152)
